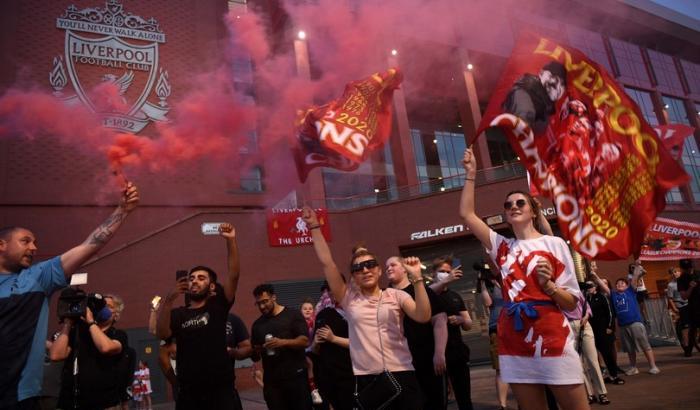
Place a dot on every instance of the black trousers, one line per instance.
(605, 343)
(433, 386)
(288, 394)
(410, 398)
(458, 371)
(337, 390)
(220, 397)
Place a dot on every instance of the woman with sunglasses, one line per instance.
(375, 316)
(536, 347)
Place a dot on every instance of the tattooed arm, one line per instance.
(74, 258)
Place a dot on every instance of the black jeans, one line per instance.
(337, 390)
(288, 394)
(410, 398)
(458, 370)
(605, 343)
(219, 397)
(433, 387)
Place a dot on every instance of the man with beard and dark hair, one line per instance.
(25, 289)
(279, 335)
(533, 97)
(204, 370)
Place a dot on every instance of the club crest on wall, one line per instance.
(111, 61)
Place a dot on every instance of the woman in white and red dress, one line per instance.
(535, 343)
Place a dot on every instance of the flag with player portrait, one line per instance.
(585, 144)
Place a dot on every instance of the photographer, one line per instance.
(97, 347)
(24, 293)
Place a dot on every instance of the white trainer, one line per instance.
(654, 370)
(632, 371)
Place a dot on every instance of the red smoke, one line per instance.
(346, 41)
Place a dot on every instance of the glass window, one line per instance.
(451, 148)
(252, 180)
(677, 114)
(666, 73)
(630, 62)
(691, 163)
(692, 74)
(675, 110)
(421, 164)
(643, 100)
(591, 44)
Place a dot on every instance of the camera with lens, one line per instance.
(484, 275)
(72, 303)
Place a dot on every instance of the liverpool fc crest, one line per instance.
(114, 51)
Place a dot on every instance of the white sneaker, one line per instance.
(316, 396)
(654, 370)
(632, 371)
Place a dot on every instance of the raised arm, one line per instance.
(636, 274)
(234, 266)
(163, 327)
(466, 202)
(542, 221)
(102, 342)
(323, 252)
(455, 274)
(72, 259)
(598, 281)
(418, 310)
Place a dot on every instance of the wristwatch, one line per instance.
(91, 323)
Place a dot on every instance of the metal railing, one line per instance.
(659, 324)
(483, 176)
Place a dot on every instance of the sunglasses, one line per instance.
(520, 203)
(359, 267)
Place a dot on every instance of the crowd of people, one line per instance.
(360, 345)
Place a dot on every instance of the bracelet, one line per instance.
(415, 280)
(470, 179)
(91, 323)
(314, 226)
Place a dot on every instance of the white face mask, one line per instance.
(441, 275)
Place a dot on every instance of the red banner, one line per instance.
(667, 239)
(585, 145)
(286, 228)
(342, 133)
(673, 136)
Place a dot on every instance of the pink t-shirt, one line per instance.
(365, 350)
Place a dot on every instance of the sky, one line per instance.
(690, 8)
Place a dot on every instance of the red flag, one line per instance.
(342, 133)
(673, 136)
(667, 239)
(285, 227)
(585, 145)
